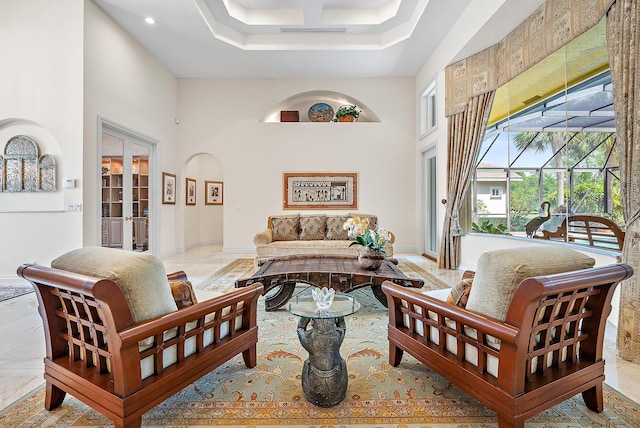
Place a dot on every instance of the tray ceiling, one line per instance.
(303, 38)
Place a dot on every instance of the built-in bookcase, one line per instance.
(112, 195)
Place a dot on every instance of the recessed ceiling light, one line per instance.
(149, 20)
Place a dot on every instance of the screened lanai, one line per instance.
(551, 137)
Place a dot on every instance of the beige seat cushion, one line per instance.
(499, 273)
(140, 276)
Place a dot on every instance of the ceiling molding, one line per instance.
(314, 25)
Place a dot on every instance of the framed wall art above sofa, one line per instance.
(320, 190)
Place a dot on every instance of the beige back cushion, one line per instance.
(140, 276)
(313, 227)
(499, 272)
(335, 227)
(285, 227)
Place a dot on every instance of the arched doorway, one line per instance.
(203, 222)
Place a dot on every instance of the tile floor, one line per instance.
(22, 336)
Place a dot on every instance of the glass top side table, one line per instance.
(303, 305)
(321, 332)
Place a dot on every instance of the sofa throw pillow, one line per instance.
(499, 273)
(140, 276)
(335, 227)
(313, 227)
(285, 228)
(459, 294)
(183, 293)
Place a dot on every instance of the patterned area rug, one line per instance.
(224, 279)
(270, 395)
(10, 291)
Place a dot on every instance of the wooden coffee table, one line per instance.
(342, 273)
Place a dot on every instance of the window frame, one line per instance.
(428, 117)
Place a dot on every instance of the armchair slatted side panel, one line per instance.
(557, 331)
(85, 332)
(446, 330)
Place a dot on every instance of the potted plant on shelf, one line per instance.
(348, 113)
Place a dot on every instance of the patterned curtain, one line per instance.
(466, 130)
(623, 44)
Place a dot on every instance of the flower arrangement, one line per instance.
(368, 239)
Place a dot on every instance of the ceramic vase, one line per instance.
(370, 259)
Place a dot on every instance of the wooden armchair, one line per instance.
(96, 349)
(592, 231)
(546, 348)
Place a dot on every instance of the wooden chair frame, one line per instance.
(94, 350)
(556, 318)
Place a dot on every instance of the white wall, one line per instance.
(126, 85)
(41, 85)
(221, 117)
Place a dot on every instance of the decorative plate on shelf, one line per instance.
(320, 112)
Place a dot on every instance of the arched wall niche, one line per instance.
(40, 201)
(303, 101)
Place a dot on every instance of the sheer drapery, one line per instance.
(466, 130)
(623, 44)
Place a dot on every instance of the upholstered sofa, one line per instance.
(292, 234)
(122, 339)
(523, 334)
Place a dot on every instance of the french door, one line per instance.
(126, 190)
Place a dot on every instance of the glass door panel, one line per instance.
(430, 205)
(112, 190)
(139, 156)
(125, 198)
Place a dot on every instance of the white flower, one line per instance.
(371, 239)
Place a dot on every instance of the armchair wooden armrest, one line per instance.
(468, 274)
(177, 276)
(592, 231)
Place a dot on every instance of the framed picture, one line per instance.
(213, 195)
(168, 188)
(191, 191)
(320, 190)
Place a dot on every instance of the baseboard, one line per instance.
(233, 250)
(404, 249)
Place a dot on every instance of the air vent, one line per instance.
(532, 99)
(313, 30)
